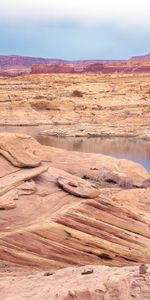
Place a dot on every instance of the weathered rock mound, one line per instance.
(84, 283)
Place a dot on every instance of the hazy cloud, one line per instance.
(121, 13)
(75, 29)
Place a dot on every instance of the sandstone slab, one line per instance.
(17, 149)
(79, 187)
(13, 180)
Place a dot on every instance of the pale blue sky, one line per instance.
(75, 29)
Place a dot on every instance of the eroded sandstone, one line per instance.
(50, 228)
(17, 149)
(79, 187)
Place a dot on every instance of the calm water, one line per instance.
(136, 150)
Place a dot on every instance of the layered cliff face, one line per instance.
(138, 64)
(131, 67)
(12, 61)
(52, 217)
(53, 68)
(14, 65)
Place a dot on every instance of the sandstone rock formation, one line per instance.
(18, 150)
(15, 181)
(47, 227)
(78, 187)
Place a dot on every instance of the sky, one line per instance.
(75, 29)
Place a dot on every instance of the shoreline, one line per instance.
(63, 131)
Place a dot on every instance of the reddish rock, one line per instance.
(12, 61)
(14, 65)
(53, 68)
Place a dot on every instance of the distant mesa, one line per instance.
(144, 57)
(15, 61)
(15, 65)
(53, 68)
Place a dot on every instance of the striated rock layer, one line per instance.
(51, 218)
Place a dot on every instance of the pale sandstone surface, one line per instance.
(84, 283)
(106, 105)
(17, 150)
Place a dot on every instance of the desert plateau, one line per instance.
(89, 104)
(74, 224)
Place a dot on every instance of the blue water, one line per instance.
(135, 150)
(145, 164)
